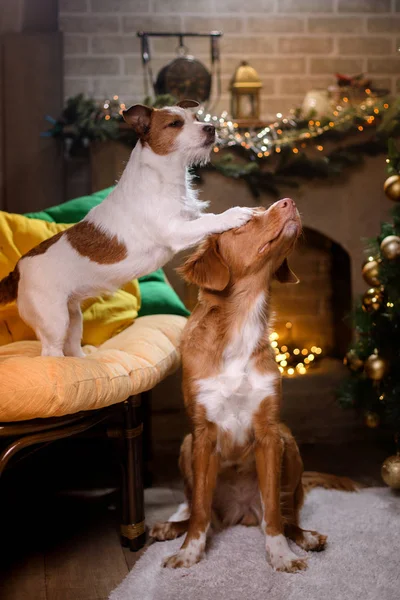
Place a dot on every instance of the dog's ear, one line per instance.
(206, 267)
(188, 104)
(138, 117)
(285, 274)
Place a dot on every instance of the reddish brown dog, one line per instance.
(240, 465)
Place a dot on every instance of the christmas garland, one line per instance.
(289, 148)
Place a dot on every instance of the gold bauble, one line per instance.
(391, 187)
(372, 300)
(353, 361)
(391, 471)
(375, 367)
(370, 272)
(371, 419)
(390, 247)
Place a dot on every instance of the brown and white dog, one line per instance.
(151, 214)
(240, 465)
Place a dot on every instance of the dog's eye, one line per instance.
(176, 123)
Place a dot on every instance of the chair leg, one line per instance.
(133, 532)
(147, 440)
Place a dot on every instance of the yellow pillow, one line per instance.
(103, 317)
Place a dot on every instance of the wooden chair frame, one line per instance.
(44, 431)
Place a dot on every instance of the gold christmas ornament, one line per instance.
(391, 187)
(371, 419)
(353, 361)
(390, 247)
(391, 471)
(370, 272)
(375, 367)
(372, 299)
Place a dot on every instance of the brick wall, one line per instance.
(294, 44)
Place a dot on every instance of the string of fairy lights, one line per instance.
(293, 360)
(285, 131)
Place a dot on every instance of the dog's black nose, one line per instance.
(210, 129)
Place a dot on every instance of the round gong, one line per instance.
(184, 77)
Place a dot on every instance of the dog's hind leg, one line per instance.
(72, 344)
(49, 318)
(169, 530)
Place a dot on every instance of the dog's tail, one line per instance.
(313, 479)
(9, 287)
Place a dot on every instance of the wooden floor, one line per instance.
(59, 518)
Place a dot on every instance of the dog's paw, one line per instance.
(289, 563)
(236, 217)
(281, 557)
(184, 558)
(163, 531)
(312, 540)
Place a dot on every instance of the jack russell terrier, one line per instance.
(240, 464)
(152, 214)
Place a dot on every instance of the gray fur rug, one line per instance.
(361, 561)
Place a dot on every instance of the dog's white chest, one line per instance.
(233, 396)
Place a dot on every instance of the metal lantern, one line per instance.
(245, 88)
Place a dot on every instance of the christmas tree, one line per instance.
(373, 386)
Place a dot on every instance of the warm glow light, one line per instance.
(311, 357)
(290, 371)
(360, 128)
(274, 344)
(331, 123)
(304, 352)
(277, 149)
(260, 155)
(386, 105)
(216, 149)
(274, 336)
(317, 123)
(283, 363)
(345, 99)
(367, 91)
(296, 351)
(289, 325)
(284, 349)
(318, 350)
(115, 97)
(279, 115)
(107, 117)
(281, 369)
(295, 150)
(320, 148)
(306, 361)
(376, 111)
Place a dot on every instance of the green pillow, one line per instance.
(157, 297)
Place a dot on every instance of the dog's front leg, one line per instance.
(269, 452)
(184, 234)
(205, 469)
